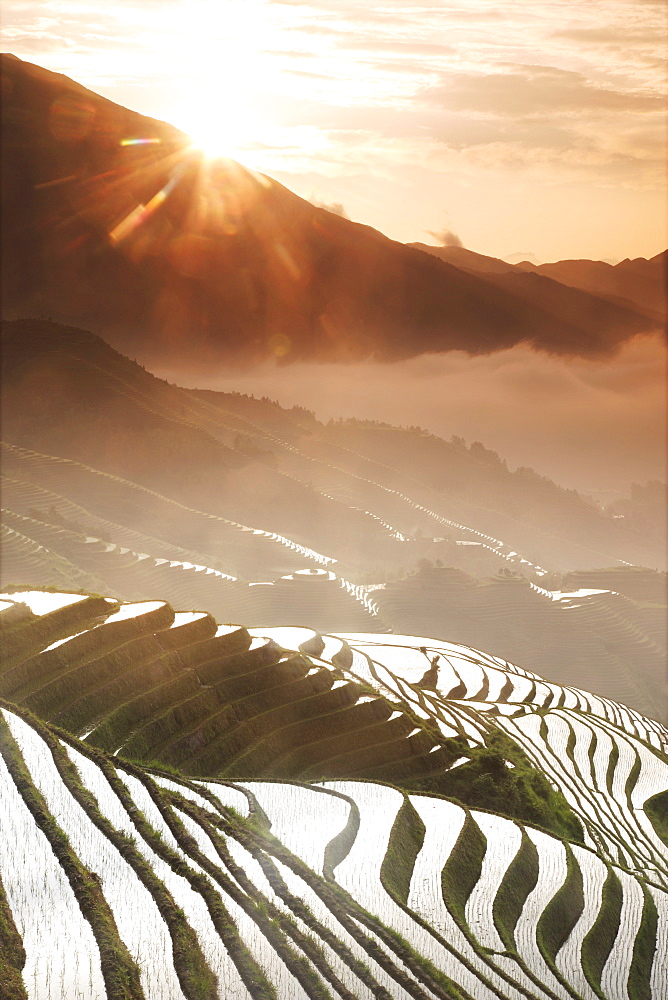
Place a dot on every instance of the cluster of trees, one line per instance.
(644, 510)
(518, 792)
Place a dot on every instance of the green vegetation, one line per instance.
(120, 972)
(463, 867)
(184, 699)
(298, 939)
(518, 882)
(521, 792)
(612, 764)
(599, 941)
(632, 780)
(304, 913)
(562, 912)
(560, 917)
(271, 921)
(350, 915)
(432, 977)
(644, 950)
(656, 810)
(213, 706)
(12, 953)
(196, 978)
(25, 637)
(406, 839)
(60, 699)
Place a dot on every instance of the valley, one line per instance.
(265, 515)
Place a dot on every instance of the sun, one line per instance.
(222, 132)
(224, 48)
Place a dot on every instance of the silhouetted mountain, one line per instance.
(467, 260)
(639, 282)
(112, 222)
(570, 288)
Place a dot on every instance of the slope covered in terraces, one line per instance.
(366, 494)
(120, 483)
(68, 526)
(351, 873)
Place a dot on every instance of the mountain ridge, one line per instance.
(101, 231)
(639, 284)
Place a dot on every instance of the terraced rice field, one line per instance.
(303, 844)
(616, 639)
(70, 526)
(616, 636)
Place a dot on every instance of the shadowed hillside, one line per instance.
(641, 282)
(375, 498)
(209, 700)
(637, 284)
(120, 483)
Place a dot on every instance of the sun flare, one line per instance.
(229, 130)
(226, 68)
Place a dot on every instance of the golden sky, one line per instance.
(531, 128)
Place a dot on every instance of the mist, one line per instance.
(591, 425)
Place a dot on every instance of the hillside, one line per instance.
(118, 482)
(605, 629)
(113, 222)
(587, 631)
(641, 282)
(410, 883)
(372, 497)
(633, 284)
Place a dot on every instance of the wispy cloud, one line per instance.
(549, 95)
(526, 91)
(446, 237)
(610, 414)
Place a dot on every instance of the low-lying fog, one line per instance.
(593, 425)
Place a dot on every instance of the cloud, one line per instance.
(401, 46)
(446, 89)
(446, 238)
(525, 91)
(595, 424)
(308, 74)
(609, 35)
(336, 208)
